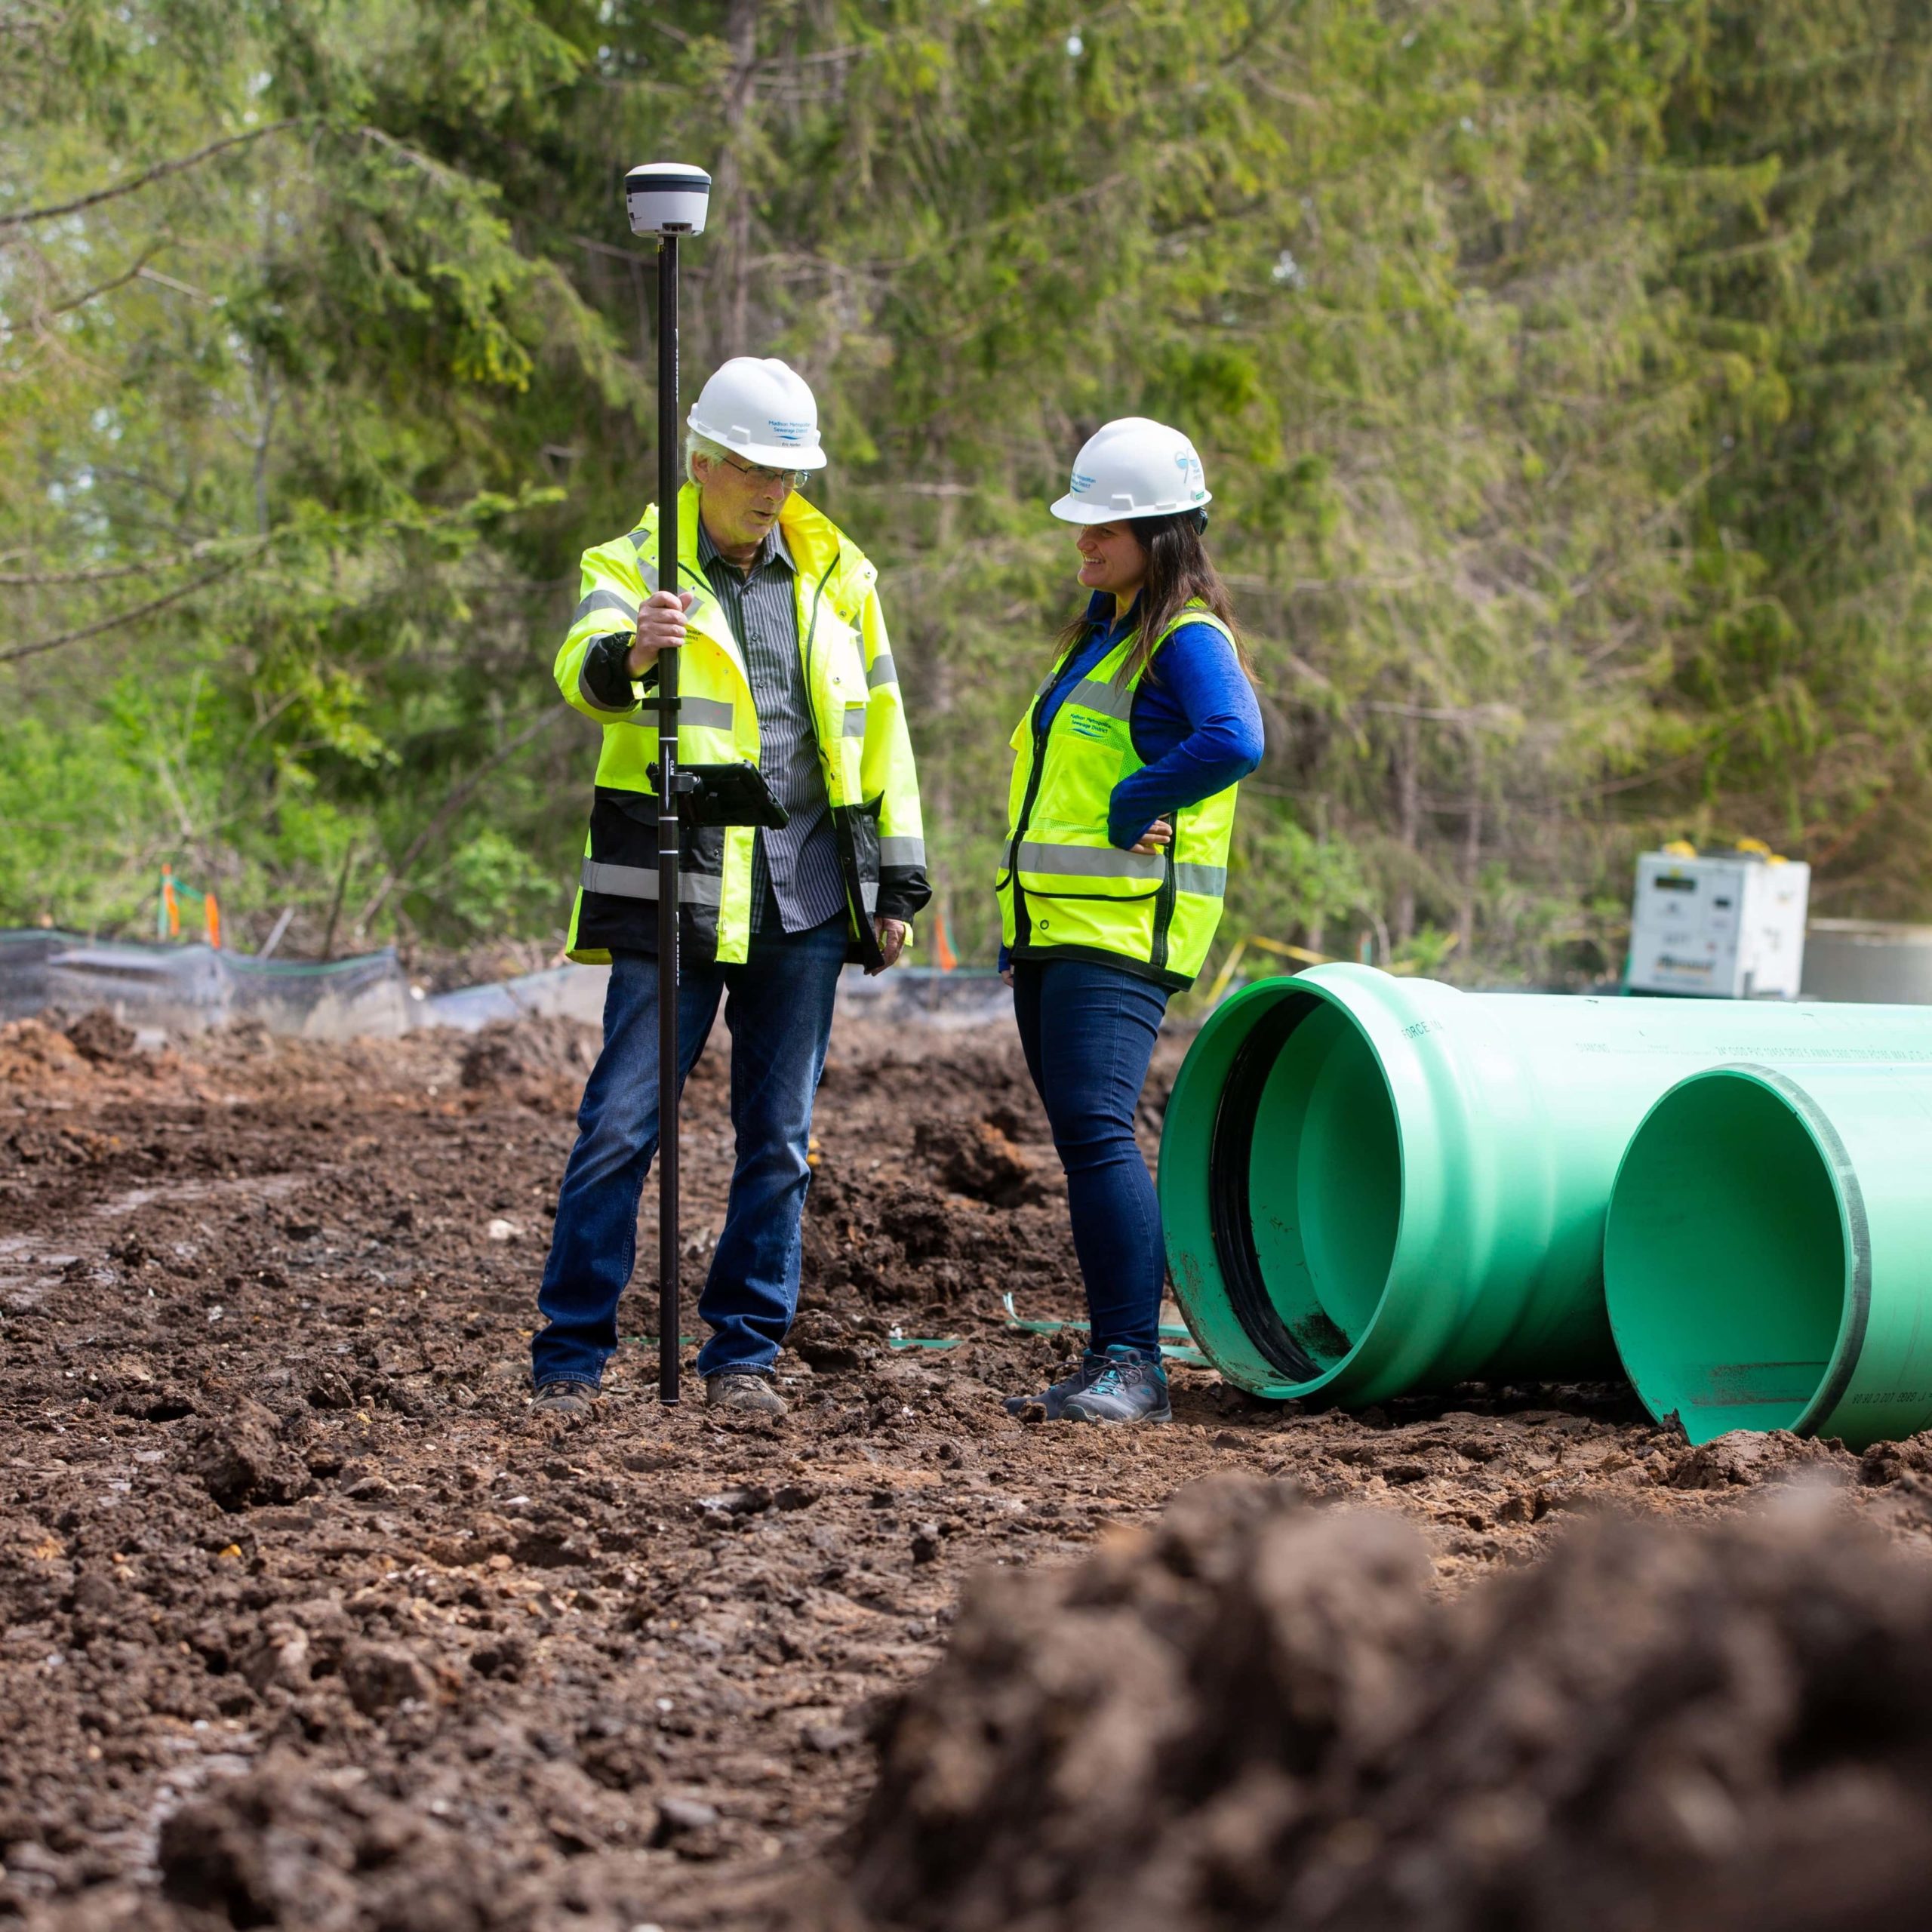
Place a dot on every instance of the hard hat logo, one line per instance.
(763, 410)
(1134, 468)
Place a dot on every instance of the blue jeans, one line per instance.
(1088, 1033)
(778, 1007)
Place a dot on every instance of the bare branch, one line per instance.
(19, 579)
(179, 287)
(120, 617)
(155, 173)
(1496, 716)
(101, 288)
(437, 171)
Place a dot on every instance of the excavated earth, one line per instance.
(306, 1625)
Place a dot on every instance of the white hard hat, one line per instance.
(760, 409)
(1134, 467)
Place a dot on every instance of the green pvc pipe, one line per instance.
(1373, 1185)
(1768, 1259)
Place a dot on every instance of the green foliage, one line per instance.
(493, 886)
(1560, 370)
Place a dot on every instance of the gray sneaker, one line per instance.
(1130, 1387)
(742, 1389)
(1054, 1400)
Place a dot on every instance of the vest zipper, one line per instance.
(1164, 906)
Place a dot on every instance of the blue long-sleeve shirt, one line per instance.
(1195, 725)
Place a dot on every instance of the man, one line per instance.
(785, 664)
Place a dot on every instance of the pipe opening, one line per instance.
(1726, 1265)
(1307, 1177)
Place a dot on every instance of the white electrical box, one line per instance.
(1729, 926)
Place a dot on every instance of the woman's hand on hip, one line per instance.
(1156, 837)
(661, 626)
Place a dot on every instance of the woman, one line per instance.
(1123, 796)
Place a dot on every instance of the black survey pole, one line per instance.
(668, 199)
(669, 1317)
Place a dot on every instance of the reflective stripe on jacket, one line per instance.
(858, 718)
(1064, 891)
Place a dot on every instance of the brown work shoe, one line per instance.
(742, 1389)
(562, 1401)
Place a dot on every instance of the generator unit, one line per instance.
(1727, 925)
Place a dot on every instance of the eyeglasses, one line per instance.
(790, 479)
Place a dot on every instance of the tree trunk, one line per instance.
(1408, 820)
(1466, 918)
(729, 194)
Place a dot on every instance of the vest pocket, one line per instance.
(1102, 898)
(1051, 868)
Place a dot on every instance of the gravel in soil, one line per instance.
(307, 1625)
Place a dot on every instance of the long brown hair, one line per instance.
(1180, 571)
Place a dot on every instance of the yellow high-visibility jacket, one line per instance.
(858, 720)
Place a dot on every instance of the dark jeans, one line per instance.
(1088, 1031)
(778, 1006)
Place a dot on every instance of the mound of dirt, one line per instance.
(1256, 1715)
(240, 1460)
(1744, 1458)
(508, 1051)
(31, 1051)
(981, 1160)
(98, 1036)
(281, 1846)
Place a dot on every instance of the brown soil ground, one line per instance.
(306, 1626)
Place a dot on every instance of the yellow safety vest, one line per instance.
(1066, 891)
(858, 718)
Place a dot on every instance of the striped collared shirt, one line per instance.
(796, 867)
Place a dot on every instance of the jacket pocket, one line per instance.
(857, 827)
(619, 911)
